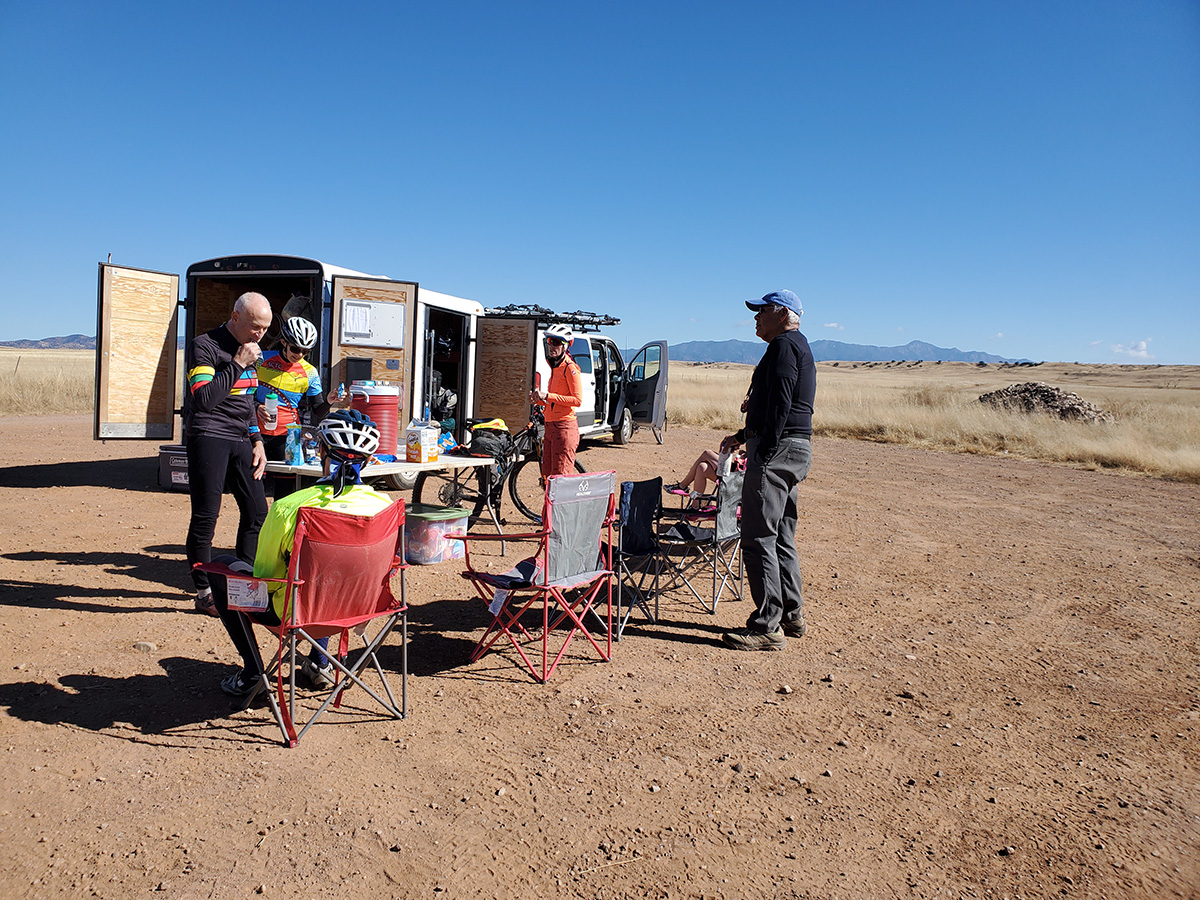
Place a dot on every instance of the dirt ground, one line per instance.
(997, 697)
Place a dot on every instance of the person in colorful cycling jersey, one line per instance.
(292, 378)
(346, 439)
(224, 446)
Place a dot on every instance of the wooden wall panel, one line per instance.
(214, 303)
(504, 356)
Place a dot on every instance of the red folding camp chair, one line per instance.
(338, 580)
(569, 573)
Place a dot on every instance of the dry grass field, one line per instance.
(936, 406)
(46, 381)
(920, 404)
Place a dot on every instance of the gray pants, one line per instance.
(769, 532)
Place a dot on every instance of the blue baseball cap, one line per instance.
(786, 299)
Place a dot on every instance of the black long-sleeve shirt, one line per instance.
(220, 400)
(782, 391)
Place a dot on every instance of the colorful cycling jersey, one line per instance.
(291, 382)
(279, 530)
(220, 398)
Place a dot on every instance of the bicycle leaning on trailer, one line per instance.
(518, 464)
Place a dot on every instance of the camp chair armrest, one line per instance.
(214, 568)
(467, 538)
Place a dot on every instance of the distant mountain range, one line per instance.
(689, 351)
(752, 351)
(70, 342)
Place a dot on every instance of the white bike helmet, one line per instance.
(559, 331)
(348, 434)
(299, 332)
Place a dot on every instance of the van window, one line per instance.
(647, 363)
(581, 352)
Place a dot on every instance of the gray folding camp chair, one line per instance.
(571, 574)
(703, 542)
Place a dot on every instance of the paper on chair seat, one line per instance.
(497, 601)
(247, 594)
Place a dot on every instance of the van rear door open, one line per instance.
(136, 355)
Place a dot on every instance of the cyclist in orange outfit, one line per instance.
(563, 395)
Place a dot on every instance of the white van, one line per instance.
(617, 397)
(370, 327)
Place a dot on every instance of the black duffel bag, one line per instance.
(490, 439)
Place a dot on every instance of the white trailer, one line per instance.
(370, 327)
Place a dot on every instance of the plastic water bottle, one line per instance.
(271, 410)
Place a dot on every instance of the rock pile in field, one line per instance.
(1037, 396)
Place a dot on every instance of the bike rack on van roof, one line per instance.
(583, 321)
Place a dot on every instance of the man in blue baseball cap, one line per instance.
(778, 439)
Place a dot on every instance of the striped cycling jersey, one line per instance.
(291, 382)
(220, 394)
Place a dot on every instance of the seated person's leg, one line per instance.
(318, 668)
(242, 685)
(706, 471)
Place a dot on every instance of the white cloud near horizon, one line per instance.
(835, 326)
(1136, 349)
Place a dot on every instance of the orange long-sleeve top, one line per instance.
(564, 394)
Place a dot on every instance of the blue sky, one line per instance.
(1021, 178)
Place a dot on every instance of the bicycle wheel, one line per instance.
(453, 487)
(527, 489)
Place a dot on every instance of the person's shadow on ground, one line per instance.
(186, 693)
(159, 564)
(138, 473)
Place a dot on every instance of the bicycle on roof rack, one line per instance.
(580, 320)
(481, 489)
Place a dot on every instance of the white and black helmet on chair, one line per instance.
(299, 332)
(348, 434)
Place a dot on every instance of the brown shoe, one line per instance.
(207, 605)
(796, 628)
(745, 639)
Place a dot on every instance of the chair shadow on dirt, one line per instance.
(137, 473)
(443, 634)
(677, 631)
(440, 637)
(186, 694)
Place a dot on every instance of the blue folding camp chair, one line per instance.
(639, 559)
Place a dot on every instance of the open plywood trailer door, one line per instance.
(504, 364)
(136, 354)
(374, 332)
